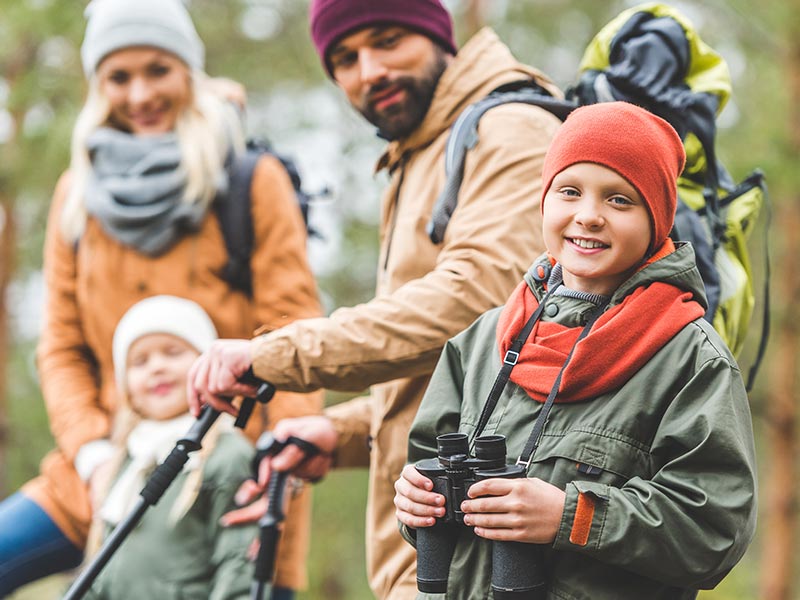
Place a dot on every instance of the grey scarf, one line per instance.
(135, 190)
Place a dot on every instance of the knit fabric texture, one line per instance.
(176, 316)
(117, 24)
(333, 19)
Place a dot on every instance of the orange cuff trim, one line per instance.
(582, 523)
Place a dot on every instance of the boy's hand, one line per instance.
(416, 505)
(520, 510)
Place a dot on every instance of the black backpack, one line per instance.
(234, 214)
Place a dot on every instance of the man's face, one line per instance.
(389, 74)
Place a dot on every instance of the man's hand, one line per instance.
(520, 510)
(318, 430)
(416, 504)
(214, 376)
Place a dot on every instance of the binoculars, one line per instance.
(517, 573)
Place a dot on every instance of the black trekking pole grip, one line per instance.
(154, 488)
(269, 534)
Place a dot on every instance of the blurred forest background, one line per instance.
(265, 45)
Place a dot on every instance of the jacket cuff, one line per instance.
(585, 509)
(91, 455)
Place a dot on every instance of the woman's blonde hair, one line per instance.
(207, 130)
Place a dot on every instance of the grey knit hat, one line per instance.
(116, 24)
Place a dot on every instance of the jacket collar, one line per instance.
(483, 64)
(677, 268)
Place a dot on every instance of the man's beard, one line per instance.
(403, 117)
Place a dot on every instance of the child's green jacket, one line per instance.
(195, 558)
(675, 489)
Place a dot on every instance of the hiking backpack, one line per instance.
(651, 56)
(234, 213)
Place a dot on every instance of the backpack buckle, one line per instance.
(525, 463)
(511, 358)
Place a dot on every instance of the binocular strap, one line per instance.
(511, 358)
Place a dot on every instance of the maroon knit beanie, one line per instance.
(332, 19)
(630, 140)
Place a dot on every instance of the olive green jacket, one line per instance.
(196, 558)
(675, 488)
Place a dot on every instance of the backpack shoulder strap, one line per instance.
(464, 136)
(235, 220)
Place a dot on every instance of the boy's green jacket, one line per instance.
(195, 558)
(675, 489)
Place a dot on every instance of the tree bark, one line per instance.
(474, 16)
(781, 488)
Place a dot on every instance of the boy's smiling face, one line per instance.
(157, 367)
(597, 226)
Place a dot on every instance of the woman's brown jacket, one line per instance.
(89, 286)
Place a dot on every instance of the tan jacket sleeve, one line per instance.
(494, 235)
(67, 370)
(352, 420)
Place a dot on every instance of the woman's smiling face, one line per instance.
(147, 89)
(597, 226)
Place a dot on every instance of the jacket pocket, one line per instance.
(604, 456)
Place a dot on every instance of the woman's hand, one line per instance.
(416, 505)
(520, 510)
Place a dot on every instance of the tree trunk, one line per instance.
(474, 16)
(7, 254)
(781, 495)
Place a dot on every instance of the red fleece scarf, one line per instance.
(622, 340)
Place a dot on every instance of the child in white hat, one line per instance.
(178, 549)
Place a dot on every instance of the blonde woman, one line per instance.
(134, 217)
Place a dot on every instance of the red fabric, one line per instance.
(630, 140)
(621, 341)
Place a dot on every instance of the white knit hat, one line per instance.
(116, 24)
(160, 314)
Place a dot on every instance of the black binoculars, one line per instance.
(517, 573)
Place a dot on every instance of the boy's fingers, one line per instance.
(413, 521)
(416, 478)
(490, 487)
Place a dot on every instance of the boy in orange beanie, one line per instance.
(636, 468)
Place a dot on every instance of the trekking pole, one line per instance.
(269, 524)
(161, 479)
